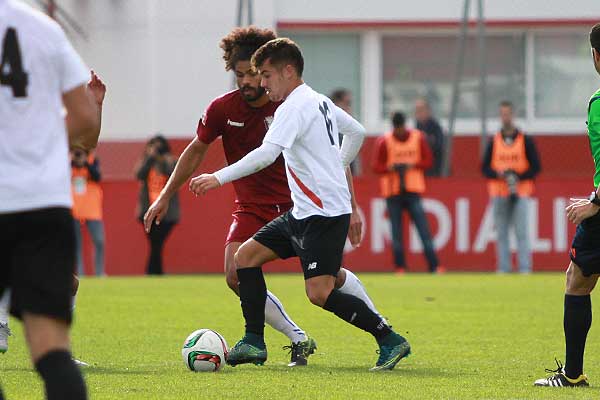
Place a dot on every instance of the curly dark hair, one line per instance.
(241, 43)
(279, 51)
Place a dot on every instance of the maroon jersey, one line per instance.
(243, 129)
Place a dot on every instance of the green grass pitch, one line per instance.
(474, 336)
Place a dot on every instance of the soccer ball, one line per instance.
(204, 350)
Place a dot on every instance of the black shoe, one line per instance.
(559, 379)
(300, 351)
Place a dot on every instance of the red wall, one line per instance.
(456, 210)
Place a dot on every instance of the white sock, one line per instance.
(4, 304)
(276, 316)
(73, 303)
(353, 286)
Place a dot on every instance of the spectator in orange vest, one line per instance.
(511, 163)
(401, 157)
(153, 171)
(87, 206)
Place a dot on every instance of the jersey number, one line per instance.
(11, 67)
(325, 111)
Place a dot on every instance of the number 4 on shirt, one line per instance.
(11, 67)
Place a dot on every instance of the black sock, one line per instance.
(577, 321)
(253, 295)
(353, 310)
(61, 376)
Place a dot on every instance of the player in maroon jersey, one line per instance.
(242, 117)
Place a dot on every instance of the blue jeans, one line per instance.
(515, 213)
(412, 203)
(96, 231)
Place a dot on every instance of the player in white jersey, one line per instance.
(306, 129)
(41, 75)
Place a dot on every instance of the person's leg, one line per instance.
(48, 340)
(577, 318)
(520, 220)
(158, 235)
(348, 283)
(96, 230)
(394, 207)
(415, 209)
(275, 314)
(501, 222)
(78, 247)
(253, 296)
(42, 288)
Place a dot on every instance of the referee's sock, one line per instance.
(253, 295)
(355, 311)
(576, 322)
(61, 376)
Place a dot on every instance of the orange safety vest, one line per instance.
(156, 182)
(399, 152)
(87, 194)
(513, 156)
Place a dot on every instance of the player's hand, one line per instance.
(156, 211)
(203, 183)
(97, 88)
(355, 231)
(580, 209)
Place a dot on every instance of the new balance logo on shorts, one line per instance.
(312, 265)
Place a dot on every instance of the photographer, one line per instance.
(401, 157)
(87, 206)
(153, 170)
(511, 163)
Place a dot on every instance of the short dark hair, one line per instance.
(241, 43)
(398, 119)
(338, 94)
(506, 103)
(280, 52)
(595, 37)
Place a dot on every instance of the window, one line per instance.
(564, 75)
(424, 66)
(331, 61)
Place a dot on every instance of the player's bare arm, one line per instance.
(83, 120)
(355, 230)
(188, 162)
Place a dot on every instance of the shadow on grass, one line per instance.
(120, 371)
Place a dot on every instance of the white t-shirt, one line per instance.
(307, 126)
(34, 162)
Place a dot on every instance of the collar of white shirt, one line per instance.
(297, 89)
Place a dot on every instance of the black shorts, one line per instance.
(585, 249)
(317, 240)
(37, 261)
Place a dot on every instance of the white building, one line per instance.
(162, 62)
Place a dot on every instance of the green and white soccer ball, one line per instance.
(204, 350)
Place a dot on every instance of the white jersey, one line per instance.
(307, 126)
(34, 162)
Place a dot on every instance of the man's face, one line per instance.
(248, 81)
(345, 103)
(422, 112)
(506, 116)
(78, 157)
(273, 80)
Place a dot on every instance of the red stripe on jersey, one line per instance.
(315, 199)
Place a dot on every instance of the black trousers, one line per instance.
(157, 238)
